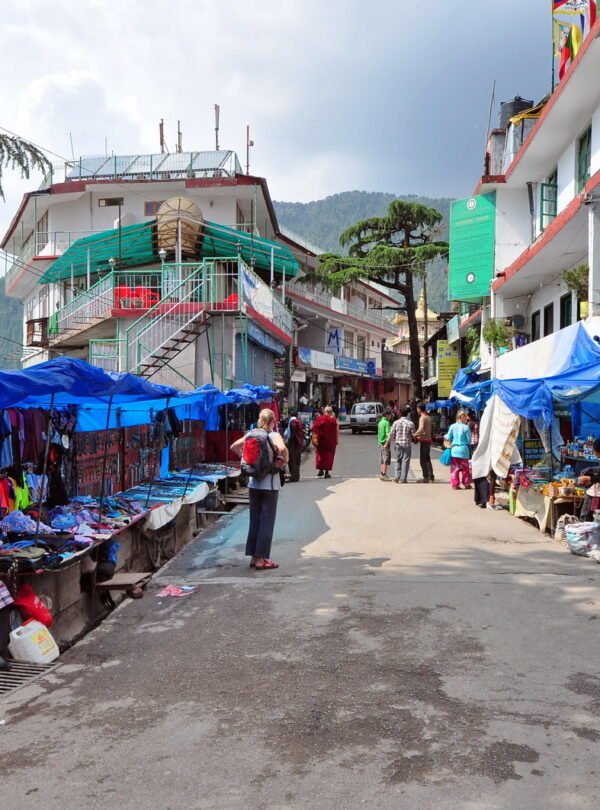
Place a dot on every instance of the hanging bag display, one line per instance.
(446, 457)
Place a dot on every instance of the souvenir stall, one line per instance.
(524, 441)
(85, 486)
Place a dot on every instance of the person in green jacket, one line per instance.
(383, 432)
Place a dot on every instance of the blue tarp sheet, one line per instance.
(73, 382)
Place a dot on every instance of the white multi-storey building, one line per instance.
(544, 168)
(176, 268)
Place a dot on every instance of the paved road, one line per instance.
(411, 652)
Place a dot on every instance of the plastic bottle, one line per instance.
(33, 643)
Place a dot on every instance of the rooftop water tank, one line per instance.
(514, 107)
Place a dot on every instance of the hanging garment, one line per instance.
(6, 452)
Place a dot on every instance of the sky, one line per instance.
(389, 95)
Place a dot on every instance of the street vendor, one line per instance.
(590, 477)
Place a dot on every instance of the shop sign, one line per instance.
(264, 339)
(314, 359)
(533, 451)
(448, 364)
(452, 330)
(334, 343)
(368, 367)
(472, 247)
(325, 378)
(279, 369)
(298, 376)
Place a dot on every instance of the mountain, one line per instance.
(11, 330)
(322, 221)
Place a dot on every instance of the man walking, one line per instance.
(423, 437)
(401, 434)
(383, 431)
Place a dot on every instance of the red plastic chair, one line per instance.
(122, 293)
(148, 297)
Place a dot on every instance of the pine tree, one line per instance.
(17, 153)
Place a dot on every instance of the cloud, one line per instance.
(339, 94)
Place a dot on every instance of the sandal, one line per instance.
(267, 565)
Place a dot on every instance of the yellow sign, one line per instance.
(448, 363)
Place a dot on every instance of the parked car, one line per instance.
(365, 416)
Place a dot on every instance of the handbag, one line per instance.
(446, 457)
(315, 439)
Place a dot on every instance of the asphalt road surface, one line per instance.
(412, 651)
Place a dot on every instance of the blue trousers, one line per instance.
(263, 511)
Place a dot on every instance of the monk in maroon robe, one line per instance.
(325, 437)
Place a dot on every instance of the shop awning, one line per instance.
(136, 246)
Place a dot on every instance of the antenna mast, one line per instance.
(249, 143)
(217, 108)
(179, 136)
(161, 133)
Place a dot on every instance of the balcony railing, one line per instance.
(370, 316)
(42, 244)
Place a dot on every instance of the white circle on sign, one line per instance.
(472, 204)
(470, 278)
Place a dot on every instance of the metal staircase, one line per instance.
(175, 322)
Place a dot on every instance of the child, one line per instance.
(591, 477)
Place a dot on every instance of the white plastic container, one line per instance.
(33, 643)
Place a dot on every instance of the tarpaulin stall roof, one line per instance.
(71, 382)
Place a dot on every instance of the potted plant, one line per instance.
(498, 334)
(577, 280)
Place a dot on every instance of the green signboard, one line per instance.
(472, 242)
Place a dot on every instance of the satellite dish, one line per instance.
(518, 321)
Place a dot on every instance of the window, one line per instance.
(42, 236)
(566, 310)
(535, 326)
(151, 208)
(43, 302)
(548, 197)
(549, 319)
(584, 158)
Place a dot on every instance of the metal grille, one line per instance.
(20, 674)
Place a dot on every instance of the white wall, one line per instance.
(566, 177)
(513, 226)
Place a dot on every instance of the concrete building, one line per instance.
(174, 266)
(544, 169)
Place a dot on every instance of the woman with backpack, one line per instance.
(264, 454)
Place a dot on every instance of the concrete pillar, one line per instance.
(594, 257)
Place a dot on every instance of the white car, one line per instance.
(365, 416)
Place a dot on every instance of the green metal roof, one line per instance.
(138, 247)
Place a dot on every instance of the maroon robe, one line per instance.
(326, 430)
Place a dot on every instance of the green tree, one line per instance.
(17, 153)
(392, 250)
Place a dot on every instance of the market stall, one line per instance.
(98, 473)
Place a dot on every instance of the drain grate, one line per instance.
(20, 674)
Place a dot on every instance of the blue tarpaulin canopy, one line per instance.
(72, 382)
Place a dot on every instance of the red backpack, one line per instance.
(258, 455)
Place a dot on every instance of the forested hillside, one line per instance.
(322, 222)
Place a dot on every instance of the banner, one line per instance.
(448, 363)
(334, 340)
(472, 247)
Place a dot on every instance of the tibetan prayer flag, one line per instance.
(570, 49)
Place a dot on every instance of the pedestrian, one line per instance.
(294, 441)
(263, 494)
(325, 430)
(458, 439)
(423, 436)
(401, 435)
(385, 454)
(473, 426)
(590, 477)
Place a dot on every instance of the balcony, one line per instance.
(42, 245)
(226, 286)
(36, 333)
(319, 296)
